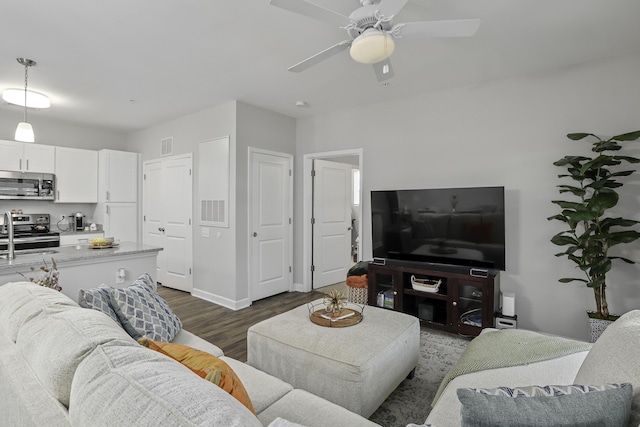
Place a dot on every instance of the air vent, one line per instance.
(167, 146)
(212, 211)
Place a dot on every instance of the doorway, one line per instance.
(352, 158)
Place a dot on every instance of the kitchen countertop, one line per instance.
(68, 254)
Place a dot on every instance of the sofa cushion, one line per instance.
(98, 299)
(143, 312)
(301, 407)
(614, 358)
(126, 386)
(21, 302)
(54, 343)
(23, 400)
(264, 389)
(562, 405)
(205, 366)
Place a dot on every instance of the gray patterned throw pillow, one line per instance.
(607, 405)
(143, 312)
(98, 299)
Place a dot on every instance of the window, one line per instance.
(355, 173)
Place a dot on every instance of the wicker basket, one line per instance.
(358, 295)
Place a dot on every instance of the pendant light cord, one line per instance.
(26, 73)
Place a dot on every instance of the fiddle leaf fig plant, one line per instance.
(590, 231)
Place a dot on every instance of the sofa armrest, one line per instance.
(187, 338)
(561, 370)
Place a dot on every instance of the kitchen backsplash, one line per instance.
(51, 208)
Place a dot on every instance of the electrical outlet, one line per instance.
(120, 276)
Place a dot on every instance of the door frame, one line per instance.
(307, 200)
(251, 152)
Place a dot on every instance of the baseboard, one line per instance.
(224, 302)
(299, 287)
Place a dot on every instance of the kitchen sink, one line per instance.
(36, 252)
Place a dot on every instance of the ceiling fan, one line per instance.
(372, 32)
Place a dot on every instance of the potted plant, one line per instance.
(591, 232)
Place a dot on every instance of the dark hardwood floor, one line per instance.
(228, 328)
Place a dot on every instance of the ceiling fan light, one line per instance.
(34, 99)
(372, 46)
(24, 132)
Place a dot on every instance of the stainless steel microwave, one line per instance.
(27, 185)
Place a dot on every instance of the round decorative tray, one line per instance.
(351, 315)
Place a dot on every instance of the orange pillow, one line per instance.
(205, 365)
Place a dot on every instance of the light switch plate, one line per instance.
(205, 231)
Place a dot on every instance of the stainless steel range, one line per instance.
(30, 231)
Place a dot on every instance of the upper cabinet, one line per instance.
(118, 178)
(27, 157)
(76, 175)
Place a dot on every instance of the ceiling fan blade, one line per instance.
(314, 11)
(321, 56)
(391, 7)
(383, 70)
(453, 28)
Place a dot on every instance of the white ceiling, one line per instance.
(129, 64)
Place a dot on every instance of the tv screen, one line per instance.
(454, 226)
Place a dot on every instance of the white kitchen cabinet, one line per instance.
(27, 157)
(118, 176)
(117, 208)
(120, 221)
(76, 175)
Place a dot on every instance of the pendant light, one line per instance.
(24, 131)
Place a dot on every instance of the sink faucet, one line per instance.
(11, 247)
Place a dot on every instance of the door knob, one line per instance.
(255, 234)
(348, 228)
(161, 229)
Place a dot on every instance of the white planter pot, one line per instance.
(597, 326)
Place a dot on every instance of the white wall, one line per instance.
(219, 264)
(264, 129)
(505, 133)
(64, 134)
(213, 259)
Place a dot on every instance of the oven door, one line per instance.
(48, 240)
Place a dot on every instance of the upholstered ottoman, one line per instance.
(356, 367)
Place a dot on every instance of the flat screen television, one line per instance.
(451, 226)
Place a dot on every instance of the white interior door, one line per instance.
(331, 223)
(270, 224)
(167, 210)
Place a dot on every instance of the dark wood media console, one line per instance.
(464, 303)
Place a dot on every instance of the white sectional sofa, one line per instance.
(63, 365)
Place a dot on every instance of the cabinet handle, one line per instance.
(107, 210)
(20, 167)
(395, 293)
(107, 196)
(455, 303)
(27, 164)
(58, 194)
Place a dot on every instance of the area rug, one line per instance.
(411, 401)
